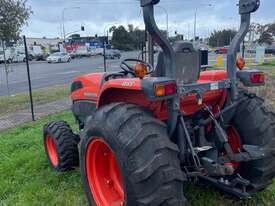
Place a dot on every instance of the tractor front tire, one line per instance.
(61, 146)
(127, 159)
(255, 124)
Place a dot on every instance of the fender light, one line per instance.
(240, 63)
(257, 78)
(141, 70)
(165, 89)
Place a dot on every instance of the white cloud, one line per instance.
(95, 15)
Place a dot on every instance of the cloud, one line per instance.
(96, 15)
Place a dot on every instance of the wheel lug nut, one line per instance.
(109, 182)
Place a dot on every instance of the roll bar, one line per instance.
(152, 28)
(246, 7)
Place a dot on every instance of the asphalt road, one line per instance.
(46, 75)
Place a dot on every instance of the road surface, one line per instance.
(46, 75)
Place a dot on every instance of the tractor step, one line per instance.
(202, 149)
(237, 186)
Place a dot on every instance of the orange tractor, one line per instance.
(145, 131)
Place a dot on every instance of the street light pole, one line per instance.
(167, 19)
(195, 21)
(63, 20)
(195, 24)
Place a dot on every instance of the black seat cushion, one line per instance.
(188, 63)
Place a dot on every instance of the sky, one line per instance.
(98, 15)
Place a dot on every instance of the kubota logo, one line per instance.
(128, 84)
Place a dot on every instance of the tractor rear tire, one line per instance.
(147, 166)
(255, 124)
(61, 146)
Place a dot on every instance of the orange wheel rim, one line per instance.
(52, 152)
(104, 175)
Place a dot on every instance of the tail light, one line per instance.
(165, 89)
(257, 78)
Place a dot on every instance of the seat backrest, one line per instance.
(188, 62)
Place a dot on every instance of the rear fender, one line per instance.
(119, 89)
(134, 91)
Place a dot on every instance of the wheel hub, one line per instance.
(103, 174)
(234, 141)
(51, 148)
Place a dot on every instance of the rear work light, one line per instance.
(165, 89)
(257, 78)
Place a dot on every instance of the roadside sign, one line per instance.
(219, 60)
(260, 54)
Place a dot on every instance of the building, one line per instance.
(48, 44)
(75, 41)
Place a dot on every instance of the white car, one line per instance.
(59, 57)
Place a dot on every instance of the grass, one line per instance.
(268, 68)
(10, 104)
(26, 178)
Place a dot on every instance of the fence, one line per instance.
(50, 85)
(51, 82)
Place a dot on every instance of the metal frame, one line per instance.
(246, 7)
(179, 122)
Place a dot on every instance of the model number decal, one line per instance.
(89, 94)
(214, 86)
(127, 84)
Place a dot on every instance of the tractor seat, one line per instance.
(188, 63)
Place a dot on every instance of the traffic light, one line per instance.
(82, 28)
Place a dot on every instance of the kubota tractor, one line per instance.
(145, 131)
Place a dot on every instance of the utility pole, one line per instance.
(195, 21)
(195, 25)
(167, 20)
(63, 20)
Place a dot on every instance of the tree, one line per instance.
(127, 40)
(265, 38)
(130, 28)
(122, 39)
(222, 38)
(266, 33)
(13, 16)
(271, 29)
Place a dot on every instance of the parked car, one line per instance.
(221, 50)
(112, 54)
(59, 57)
(81, 52)
(270, 49)
(12, 55)
(1, 56)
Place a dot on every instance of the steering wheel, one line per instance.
(126, 67)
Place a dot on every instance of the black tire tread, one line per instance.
(66, 144)
(259, 121)
(156, 177)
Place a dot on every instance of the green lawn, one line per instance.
(27, 180)
(9, 104)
